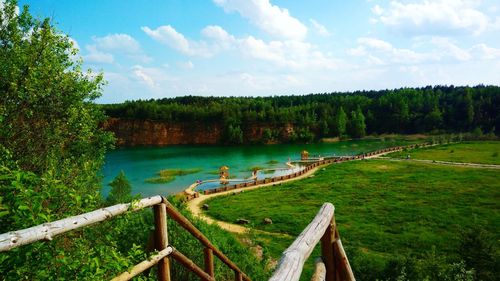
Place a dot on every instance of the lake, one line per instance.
(141, 163)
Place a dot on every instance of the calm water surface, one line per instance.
(141, 163)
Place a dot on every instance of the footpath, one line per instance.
(195, 204)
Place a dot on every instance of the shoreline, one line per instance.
(194, 205)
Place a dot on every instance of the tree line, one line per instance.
(443, 109)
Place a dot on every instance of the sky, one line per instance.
(155, 49)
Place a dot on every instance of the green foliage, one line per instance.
(384, 210)
(406, 110)
(481, 152)
(168, 175)
(358, 126)
(479, 251)
(120, 190)
(234, 134)
(341, 122)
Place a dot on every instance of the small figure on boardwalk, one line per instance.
(408, 156)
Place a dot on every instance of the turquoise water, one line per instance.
(141, 163)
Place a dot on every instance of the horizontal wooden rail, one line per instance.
(322, 228)
(189, 264)
(47, 231)
(145, 265)
(293, 259)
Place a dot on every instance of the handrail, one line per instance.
(47, 231)
(162, 207)
(322, 228)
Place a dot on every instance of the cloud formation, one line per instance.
(104, 49)
(271, 19)
(287, 53)
(319, 28)
(434, 17)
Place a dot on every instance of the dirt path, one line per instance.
(195, 205)
(437, 162)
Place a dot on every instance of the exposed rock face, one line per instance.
(130, 132)
(148, 132)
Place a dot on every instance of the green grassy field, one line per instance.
(473, 152)
(384, 210)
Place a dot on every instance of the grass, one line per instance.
(169, 175)
(383, 208)
(485, 152)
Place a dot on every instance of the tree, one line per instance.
(51, 145)
(120, 190)
(358, 126)
(341, 122)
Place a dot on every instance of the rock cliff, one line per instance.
(133, 132)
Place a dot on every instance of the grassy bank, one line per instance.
(169, 175)
(385, 210)
(484, 152)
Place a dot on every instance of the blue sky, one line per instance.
(154, 49)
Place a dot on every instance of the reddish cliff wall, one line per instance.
(149, 132)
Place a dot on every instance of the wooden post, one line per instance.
(209, 261)
(327, 253)
(161, 240)
(238, 276)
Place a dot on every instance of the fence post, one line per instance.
(327, 246)
(161, 239)
(209, 261)
(238, 276)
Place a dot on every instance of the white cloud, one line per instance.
(379, 52)
(484, 52)
(288, 53)
(169, 36)
(142, 74)
(186, 65)
(377, 10)
(449, 48)
(96, 56)
(319, 28)
(437, 49)
(104, 48)
(117, 42)
(434, 17)
(270, 18)
(219, 37)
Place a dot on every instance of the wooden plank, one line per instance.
(47, 231)
(293, 258)
(190, 265)
(144, 265)
(344, 266)
(209, 261)
(238, 276)
(161, 239)
(327, 251)
(319, 270)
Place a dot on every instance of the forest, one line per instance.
(438, 109)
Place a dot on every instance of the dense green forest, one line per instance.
(406, 110)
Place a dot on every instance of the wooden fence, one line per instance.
(309, 166)
(161, 208)
(333, 264)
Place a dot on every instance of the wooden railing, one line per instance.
(333, 264)
(161, 208)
